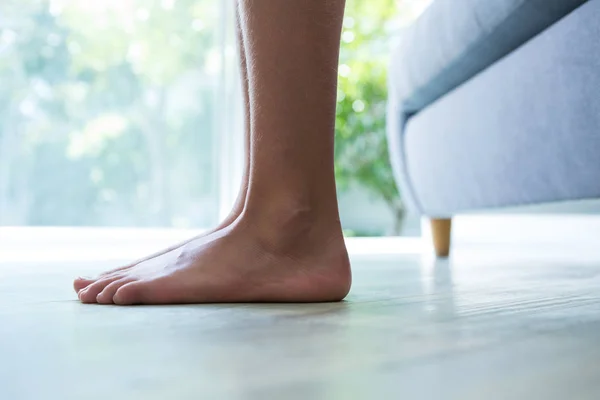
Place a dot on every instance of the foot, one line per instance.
(241, 263)
(170, 252)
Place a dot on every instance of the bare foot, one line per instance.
(165, 254)
(241, 263)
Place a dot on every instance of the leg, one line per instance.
(241, 199)
(287, 245)
(441, 230)
(82, 283)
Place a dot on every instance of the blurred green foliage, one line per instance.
(108, 112)
(361, 147)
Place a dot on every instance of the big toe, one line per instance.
(142, 292)
(128, 294)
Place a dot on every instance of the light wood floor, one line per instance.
(491, 323)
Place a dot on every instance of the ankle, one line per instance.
(293, 227)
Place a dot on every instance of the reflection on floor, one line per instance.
(491, 323)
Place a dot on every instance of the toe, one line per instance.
(89, 294)
(81, 283)
(128, 294)
(140, 292)
(160, 290)
(106, 295)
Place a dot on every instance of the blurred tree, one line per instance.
(108, 118)
(361, 155)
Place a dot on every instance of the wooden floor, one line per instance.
(491, 323)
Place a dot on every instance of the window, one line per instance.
(117, 112)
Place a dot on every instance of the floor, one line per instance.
(494, 322)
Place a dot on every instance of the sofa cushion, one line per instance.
(455, 39)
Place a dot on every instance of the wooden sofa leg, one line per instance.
(441, 231)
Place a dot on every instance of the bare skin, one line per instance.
(286, 244)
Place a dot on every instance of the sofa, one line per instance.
(495, 103)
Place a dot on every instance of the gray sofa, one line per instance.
(496, 103)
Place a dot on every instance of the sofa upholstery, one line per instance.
(522, 127)
(455, 39)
